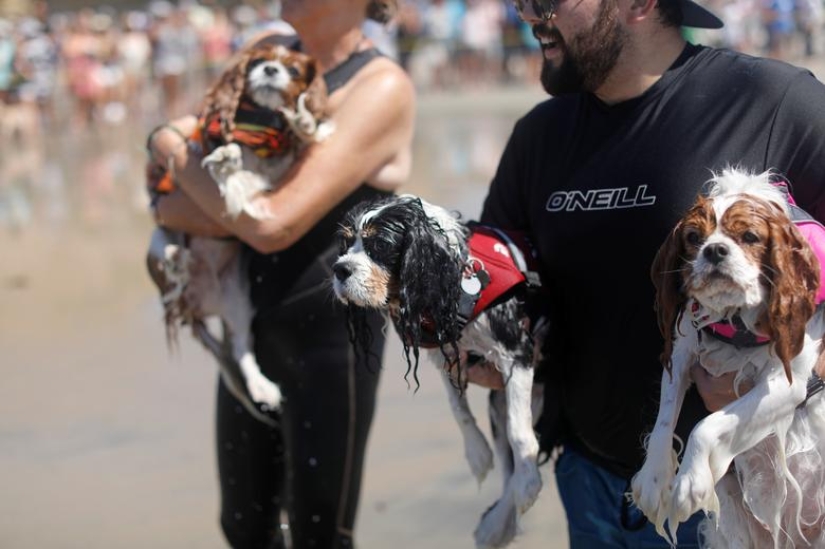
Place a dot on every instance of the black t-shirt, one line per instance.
(599, 187)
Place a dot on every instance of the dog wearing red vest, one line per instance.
(459, 291)
(261, 114)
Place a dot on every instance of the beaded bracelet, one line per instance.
(150, 138)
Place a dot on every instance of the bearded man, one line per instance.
(597, 176)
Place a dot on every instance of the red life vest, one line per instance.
(500, 263)
(508, 260)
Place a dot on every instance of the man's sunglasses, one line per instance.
(543, 9)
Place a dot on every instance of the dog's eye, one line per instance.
(379, 248)
(693, 238)
(345, 243)
(750, 237)
(293, 72)
(382, 247)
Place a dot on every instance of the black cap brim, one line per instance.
(694, 15)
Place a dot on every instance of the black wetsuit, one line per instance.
(311, 466)
(599, 187)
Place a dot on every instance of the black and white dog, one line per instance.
(449, 288)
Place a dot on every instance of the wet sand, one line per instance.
(106, 440)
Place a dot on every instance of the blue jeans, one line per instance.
(598, 516)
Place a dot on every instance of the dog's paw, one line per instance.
(325, 129)
(526, 485)
(478, 454)
(301, 120)
(498, 526)
(224, 159)
(650, 490)
(693, 490)
(264, 392)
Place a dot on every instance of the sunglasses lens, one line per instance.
(542, 9)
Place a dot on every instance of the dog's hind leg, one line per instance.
(230, 371)
(476, 450)
(238, 319)
(499, 524)
(526, 480)
(498, 425)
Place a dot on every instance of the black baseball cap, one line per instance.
(694, 15)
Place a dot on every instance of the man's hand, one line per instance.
(716, 391)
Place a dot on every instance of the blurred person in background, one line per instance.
(135, 52)
(809, 15)
(441, 29)
(83, 53)
(779, 23)
(216, 42)
(482, 30)
(743, 27)
(173, 53)
(311, 466)
(410, 29)
(37, 63)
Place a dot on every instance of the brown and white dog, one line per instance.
(737, 262)
(417, 262)
(266, 108)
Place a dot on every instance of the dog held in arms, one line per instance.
(736, 291)
(260, 115)
(412, 259)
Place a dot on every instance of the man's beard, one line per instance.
(589, 57)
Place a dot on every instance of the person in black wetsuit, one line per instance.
(311, 466)
(598, 176)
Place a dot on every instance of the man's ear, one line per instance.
(640, 10)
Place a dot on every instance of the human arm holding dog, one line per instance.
(175, 210)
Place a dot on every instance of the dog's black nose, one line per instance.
(270, 70)
(716, 253)
(342, 272)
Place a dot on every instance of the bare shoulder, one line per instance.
(384, 82)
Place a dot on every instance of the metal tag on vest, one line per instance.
(471, 285)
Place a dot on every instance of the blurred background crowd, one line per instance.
(103, 64)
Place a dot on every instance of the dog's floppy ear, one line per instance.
(793, 271)
(430, 276)
(224, 96)
(666, 274)
(316, 92)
